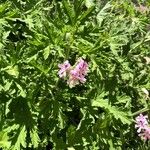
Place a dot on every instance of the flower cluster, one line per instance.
(143, 128)
(74, 74)
(64, 69)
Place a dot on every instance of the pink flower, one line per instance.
(75, 74)
(78, 74)
(82, 66)
(64, 69)
(141, 122)
(143, 128)
(73, 78)
(145, 134)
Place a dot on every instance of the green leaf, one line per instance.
(34, 137)
(22, 92)
(20, 138)
(4, 143)
(61, 119)
(3, 8)
(12, 70)
(84, 16)
(69, 11)
(136, 45)
(103, 13)
(40, 67)
(118, 114)
(46, 52)
(70, 148)
(7, 86)
(89, 3)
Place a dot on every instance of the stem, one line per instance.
(140, 111)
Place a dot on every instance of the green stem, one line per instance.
(140, 111)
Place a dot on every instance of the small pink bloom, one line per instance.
(145, 134)
(73, 78)
(64, 69)
(141, 122)
(82, 66)
(143, 128)
(78, 74)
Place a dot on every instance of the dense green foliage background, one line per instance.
(37, 109)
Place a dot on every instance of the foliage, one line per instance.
(38, 110)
